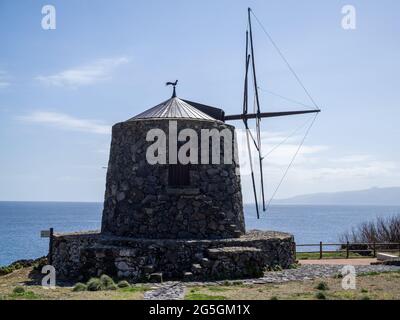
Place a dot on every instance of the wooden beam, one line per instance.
(267, 115)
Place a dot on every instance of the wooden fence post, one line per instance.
(51, 246)
(374, 249)
(347, 250)
(320, 250)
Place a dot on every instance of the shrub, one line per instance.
(274, 298)
(322, 286)
(19, 290)
(107, 283)
(123, 284)
(21, 264)
(79, 287)
(320, 296)
(382, 230)
(365, 298)
(94, 284)
(277, 268)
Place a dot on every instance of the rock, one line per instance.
(148, 268)
(127, 252)
(187, 276)
(149, 198)
(122, 266)
(124, 186)
(212, 172)
(120, 196)
(196, 268)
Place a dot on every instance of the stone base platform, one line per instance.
(80, 256)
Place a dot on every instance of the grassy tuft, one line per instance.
(320, 296)
(323, 286)
(94, 284)
(79, 287)
(19, 290)
(23, 295)
(123, 284)
(107, 283)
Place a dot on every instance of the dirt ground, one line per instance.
(34, 291)
(371, 286)
(384, 286)
(344, 262)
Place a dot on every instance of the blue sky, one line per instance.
(61, 90)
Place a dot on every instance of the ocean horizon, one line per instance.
(21, 222)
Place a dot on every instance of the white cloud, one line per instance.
(88, 74)
(353, 158)
(67, 122)
(317, 168)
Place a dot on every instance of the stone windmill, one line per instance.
(166, 219)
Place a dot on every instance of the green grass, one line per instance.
(218, 288)
(201, 296)
(26, 295)
(328, 255)
(371, 273)
(135, 289)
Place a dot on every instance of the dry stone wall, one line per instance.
(140, 203)
(83, 256)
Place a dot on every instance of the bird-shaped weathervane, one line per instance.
(174, 85)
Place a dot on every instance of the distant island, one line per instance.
(373, 196)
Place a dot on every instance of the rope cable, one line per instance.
(283, 97)
(291, 162)
(287, 138)
(285, 60)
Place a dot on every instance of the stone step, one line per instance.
(218, 253)
(386, 257)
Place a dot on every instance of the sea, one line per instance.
(21, 223)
